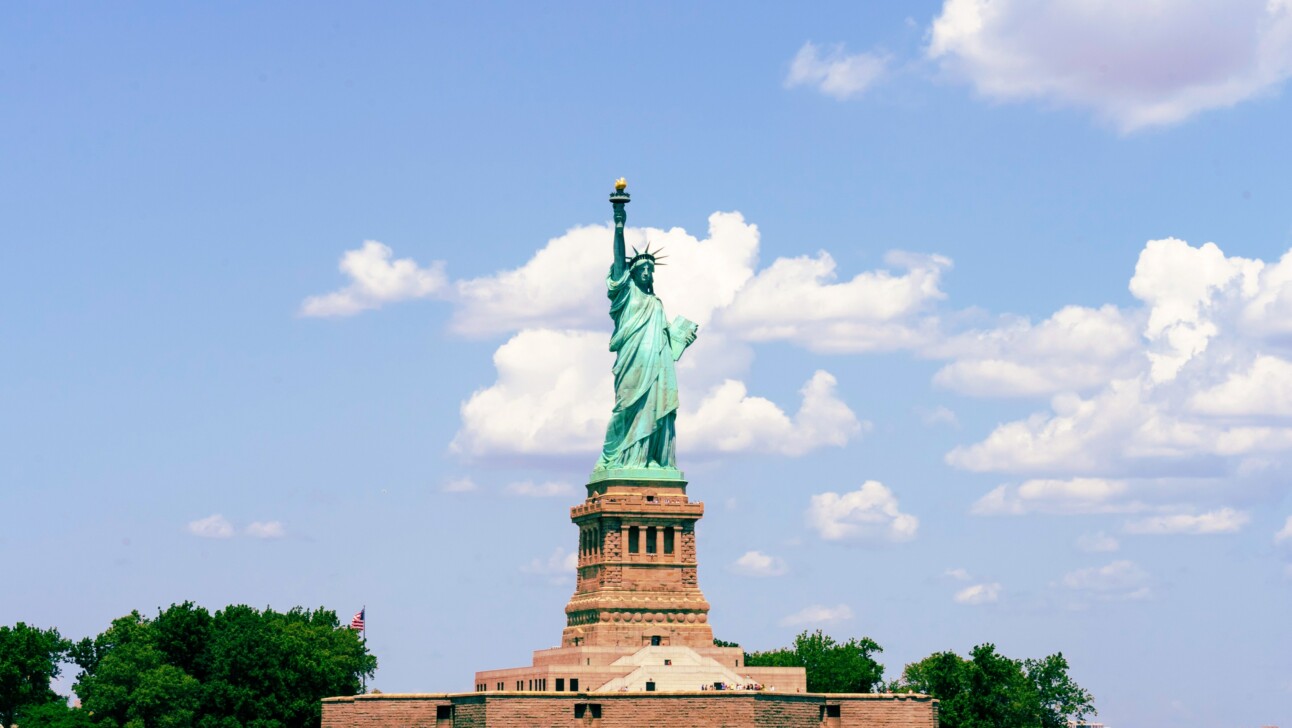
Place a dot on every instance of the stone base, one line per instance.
(733, 709)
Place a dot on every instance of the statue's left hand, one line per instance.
(690, 336)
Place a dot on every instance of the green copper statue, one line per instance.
(640, 433)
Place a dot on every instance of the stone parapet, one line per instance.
(697, 709)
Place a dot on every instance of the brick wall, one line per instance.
(632, 710)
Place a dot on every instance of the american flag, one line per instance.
(357, 622)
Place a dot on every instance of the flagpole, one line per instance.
(364, 612)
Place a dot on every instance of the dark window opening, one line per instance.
(560, 684)
(574, 684)
(654, 640)
(668, 540)
(650, 686)
(587, 710)
(634, 538)
(650, 540)
(443, 711)
(832, 711)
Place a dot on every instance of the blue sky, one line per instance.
(303, 306)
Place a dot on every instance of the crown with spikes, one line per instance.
(646, 255)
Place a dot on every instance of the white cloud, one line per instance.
(728, 420)
(1285, 533)
(555, 391)
(1076, 349)
(757, 563)
(1097, 542)
(563, 284)
(559, 568)
(1264, 388)
(957, 574)
(460, 485)
(553, 396)
(1118, 580)
(818, 614)
(868, 513)
(213, 526)
(1212, 396)
(1135, 65)
(266, 529)
(978, 594)
(376, 280)
(529, 489)
(797, 300)
(939, 415)
(835, 73)
(1225, 520)
(1074, 496)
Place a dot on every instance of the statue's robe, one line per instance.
(641, 429)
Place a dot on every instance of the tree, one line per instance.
(989, 690)
(238, 667)
(831, 667)
(29, 660)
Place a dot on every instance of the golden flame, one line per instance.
(621, 184)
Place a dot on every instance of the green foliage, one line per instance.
(989, 690)
(723, 643)
(29, 660)
(238, 667)
(55, 714)
(831, 667)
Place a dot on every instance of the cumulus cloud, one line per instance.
(553, 396)
(834, 72)
(563, 284)
(1073, 496)
(939, 415)
(818, 614)
(868, 513)
(757, 563)
(1225, 520)
(555, 391)
(558, 568)
(799, 300)
(957, 574)
(1097, 542)
(1117, 581)
(1076, 349)
(530, 489)
(728, 420)
(213, 526)
(1264, 388)
(266, 529)
(1135, 65)
(978, 594)
(1285, 533)
(376, 279)
(1212, 395)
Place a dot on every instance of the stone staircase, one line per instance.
(687, 672)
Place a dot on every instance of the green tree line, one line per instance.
(185, 667)
(984, 690)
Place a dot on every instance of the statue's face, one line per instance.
(644, 276)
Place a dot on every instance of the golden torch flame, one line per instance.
(621, 184)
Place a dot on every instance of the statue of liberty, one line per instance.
(641, 430)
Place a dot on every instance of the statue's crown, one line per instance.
(646, 255)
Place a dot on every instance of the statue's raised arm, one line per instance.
(618, 200)
(641, 430)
